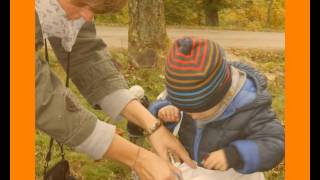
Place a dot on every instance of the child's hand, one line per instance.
(217, 161)
(169, 113)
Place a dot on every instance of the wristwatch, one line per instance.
(153, 128)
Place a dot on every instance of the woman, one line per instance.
(68, 25)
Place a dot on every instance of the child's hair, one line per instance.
(101, 6)
(197, 74)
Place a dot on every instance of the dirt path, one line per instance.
(118, 37)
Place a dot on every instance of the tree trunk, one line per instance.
(212, 18)
(269, 15)
(147, 32)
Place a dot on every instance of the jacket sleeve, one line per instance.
(263, 147)
(60, 115)
(91, 66)
(157, 105)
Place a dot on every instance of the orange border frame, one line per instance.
(297, 106)
(22, 90)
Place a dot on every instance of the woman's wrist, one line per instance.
(155, 126)
(136, 113)
(123, 151)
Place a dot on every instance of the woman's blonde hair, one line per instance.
(101, 6)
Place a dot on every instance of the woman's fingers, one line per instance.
(176, 158)
(151, 167)
(163, 141)
(176, 172)
(181, 152)
(164, 155)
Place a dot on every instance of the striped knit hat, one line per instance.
(197, 74)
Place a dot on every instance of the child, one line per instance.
(227, 120)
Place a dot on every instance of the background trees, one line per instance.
(226, 14)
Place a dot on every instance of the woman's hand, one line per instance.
(163, 142)
(149, 166)
(169, 113)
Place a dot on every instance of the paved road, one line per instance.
(118, 37)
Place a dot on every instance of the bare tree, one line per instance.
(147, 32)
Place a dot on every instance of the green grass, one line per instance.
(152, 80)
